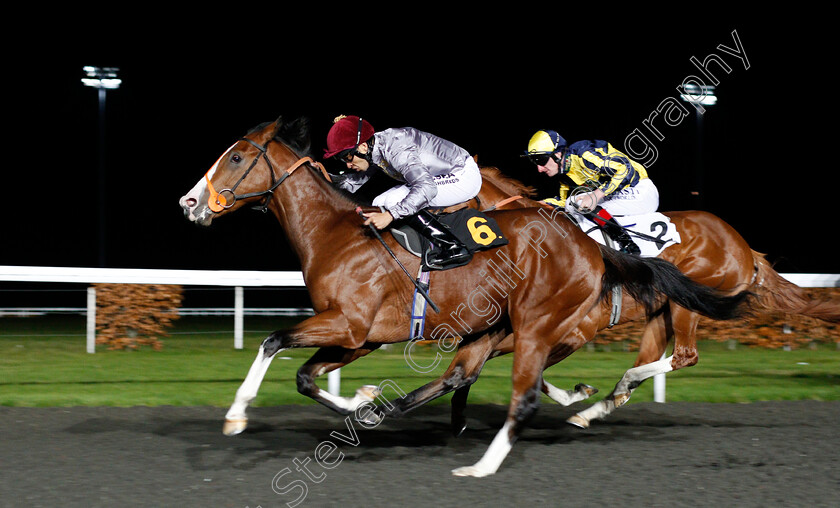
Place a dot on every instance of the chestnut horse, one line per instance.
(540, 286)
(711, 252)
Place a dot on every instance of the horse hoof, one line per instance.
(586, 389)
(368, 393)
(234, 427)
(621, 399)
(371, 417)
(578, 421)
(471, 471)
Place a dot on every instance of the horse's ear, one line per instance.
(278, 125)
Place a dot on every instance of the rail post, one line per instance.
(91, 320)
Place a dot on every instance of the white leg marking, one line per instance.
(493, 457)
(622, 391)
(569, 397)
(250, 386)
(367, 393)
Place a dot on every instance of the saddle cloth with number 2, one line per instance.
(652, 232)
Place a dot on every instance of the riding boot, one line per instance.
(625, 243)
(616, 231)
(449, 250)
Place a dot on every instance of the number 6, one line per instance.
(482, 234)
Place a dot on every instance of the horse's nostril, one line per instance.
(191, 202)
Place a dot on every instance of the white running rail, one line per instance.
(231, 278)
(240, 279)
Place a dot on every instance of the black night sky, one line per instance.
(487, 88)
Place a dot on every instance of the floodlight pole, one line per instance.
(699, 192)
(699, 96)
(103, 79)
(101, 180)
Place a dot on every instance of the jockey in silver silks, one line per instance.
(432, 172)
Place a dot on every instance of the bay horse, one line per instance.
(540, 286)
(711, 252)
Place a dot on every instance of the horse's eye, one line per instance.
(235, 158)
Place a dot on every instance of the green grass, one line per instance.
(43, 363)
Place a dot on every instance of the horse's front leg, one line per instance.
(325, 329)
(235, 419)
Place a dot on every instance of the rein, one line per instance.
(226, 198)
(503, 203)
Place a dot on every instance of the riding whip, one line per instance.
(420, 288)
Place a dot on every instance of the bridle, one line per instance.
(226, 198)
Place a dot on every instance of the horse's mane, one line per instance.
(507, 184)
(294, 134)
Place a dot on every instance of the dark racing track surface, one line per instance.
(645, 455)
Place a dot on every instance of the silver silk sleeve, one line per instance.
(418, 178)
(421, 191)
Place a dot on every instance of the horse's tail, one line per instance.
(775, 293)
(647, 279)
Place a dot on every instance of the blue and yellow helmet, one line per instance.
(545, 142)
(543, 145)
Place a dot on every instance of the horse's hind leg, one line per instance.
(326, 360)
(461, 373)
(458, 403)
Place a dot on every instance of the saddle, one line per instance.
(476, 231)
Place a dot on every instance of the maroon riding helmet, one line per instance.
(347, 133)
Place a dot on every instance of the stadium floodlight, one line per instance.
(101, 77)
(703, 95)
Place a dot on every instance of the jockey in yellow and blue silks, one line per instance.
(609, 182)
